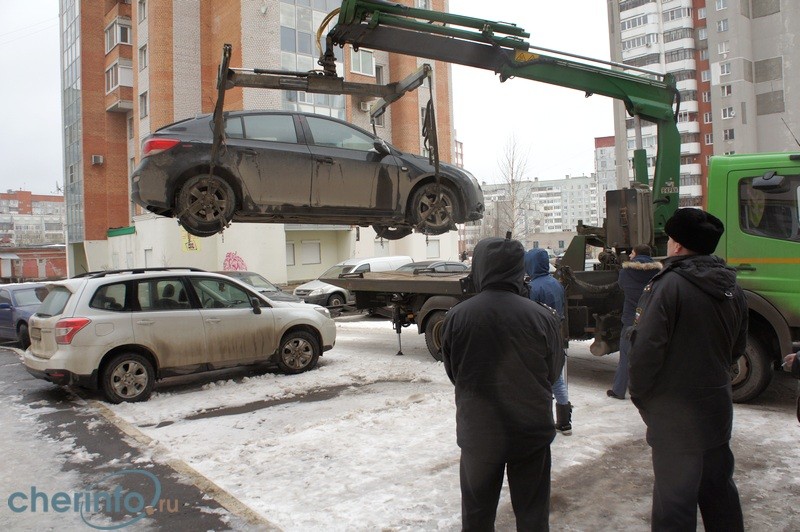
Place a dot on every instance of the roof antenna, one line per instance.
(790, 131)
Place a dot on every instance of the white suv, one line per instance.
(120, 331)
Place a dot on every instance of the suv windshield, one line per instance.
(55, 302)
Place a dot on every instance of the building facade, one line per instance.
(28, 219)
(133, 66)
(735, 64)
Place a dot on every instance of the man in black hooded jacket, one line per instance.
(691, 325)
(503, 352)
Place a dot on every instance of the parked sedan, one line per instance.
(17, 303)
(285, 167)
(260, 283)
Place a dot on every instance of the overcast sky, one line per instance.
(554, 125)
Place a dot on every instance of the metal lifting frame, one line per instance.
(500, 47)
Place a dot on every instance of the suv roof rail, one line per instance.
(103, 273)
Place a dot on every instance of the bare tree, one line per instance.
(510, 205)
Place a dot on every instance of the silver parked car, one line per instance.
(120, 331)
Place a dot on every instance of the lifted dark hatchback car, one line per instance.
(286, 167)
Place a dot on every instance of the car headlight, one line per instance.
(322, 310)
(315, 292)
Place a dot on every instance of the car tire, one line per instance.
(433, 334)
(127, 377)
(299, 351)
(391, 233)
(23, 336)
(752, 373)
(423, 216)
(335, 300)
(205, 205)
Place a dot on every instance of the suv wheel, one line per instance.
(299, 352)
(128, 377)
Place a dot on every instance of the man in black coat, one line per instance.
(503, 352)
(690, 327)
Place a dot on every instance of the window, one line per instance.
(130, 127)
(721, 4)
(728, 112)
(275, 128)
(310, 252)
(142, 10)
(709, 139)
(143, 105)
(423, 4)
(723, 47)
(724, 69)
(641, 40)
(704, 54)
(701, 13)
(728, 134)
(770, 214)
(290, 253)
(362, 62)
(722, 25)
(705, 75)
(379, 80)
(706, 96)
(633, 22)
(217, 294)
(118, 32)
(112, 77)
(109, 297)
(702, 33)
(432, 249)
(726, 90)
(675, 14)
(678, 55)
(337, 135)
(706, 118)
(143, 57)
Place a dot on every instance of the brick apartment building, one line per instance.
(132, 66)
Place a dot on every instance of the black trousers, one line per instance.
(686, 480)
(528, 482)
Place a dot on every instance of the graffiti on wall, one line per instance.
(233, 262)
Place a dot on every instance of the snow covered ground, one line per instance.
(367, 442)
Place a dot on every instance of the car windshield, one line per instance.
(256, 280)
(26, 296)
(336, 271)
(55, 302)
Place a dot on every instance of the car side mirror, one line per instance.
(256, 304)
(381, 147)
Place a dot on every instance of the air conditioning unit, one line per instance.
(97, 159)
(364, 106)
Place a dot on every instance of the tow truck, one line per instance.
(636, 214)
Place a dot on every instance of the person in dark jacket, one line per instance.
(691, 326)
(544, 288)
(503, 352)
(633, 277)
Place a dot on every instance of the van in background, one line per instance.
(320, 293)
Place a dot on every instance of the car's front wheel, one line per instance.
(128, 377)
(205, 205)
(299, 352)
(434, 208)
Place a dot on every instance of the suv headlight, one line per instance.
(322, 310)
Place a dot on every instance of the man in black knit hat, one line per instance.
(691, 325)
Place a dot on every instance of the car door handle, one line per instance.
(324, 160)
(745, 268)
(213, 320)
(145, 322)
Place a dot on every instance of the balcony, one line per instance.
(690, 148)
(687, 85)
(690, 107)
(693, 169)
(119, 100)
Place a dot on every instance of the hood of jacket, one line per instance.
(708, 272)
(537, 263)
(497, 263)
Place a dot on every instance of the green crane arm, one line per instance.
(499, 47)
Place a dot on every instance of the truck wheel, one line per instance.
(127, 377)
(299, 352)
(433, 333)
(752, 373)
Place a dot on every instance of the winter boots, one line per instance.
(564, 418)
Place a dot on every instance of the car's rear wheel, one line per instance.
(23, 337)
(434, 208)
(391, 233)
(433, 334)
(128, 377)
(205, 205)
(299, 352)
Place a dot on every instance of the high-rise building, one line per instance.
(130, 67)
(734, 65)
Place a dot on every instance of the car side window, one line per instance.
(215, 293)
(162, 294)
(275, 128)
(362, 268)
(772, 214)
(338, 135)
(5, 297)
(109, 297)
(233, 128)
